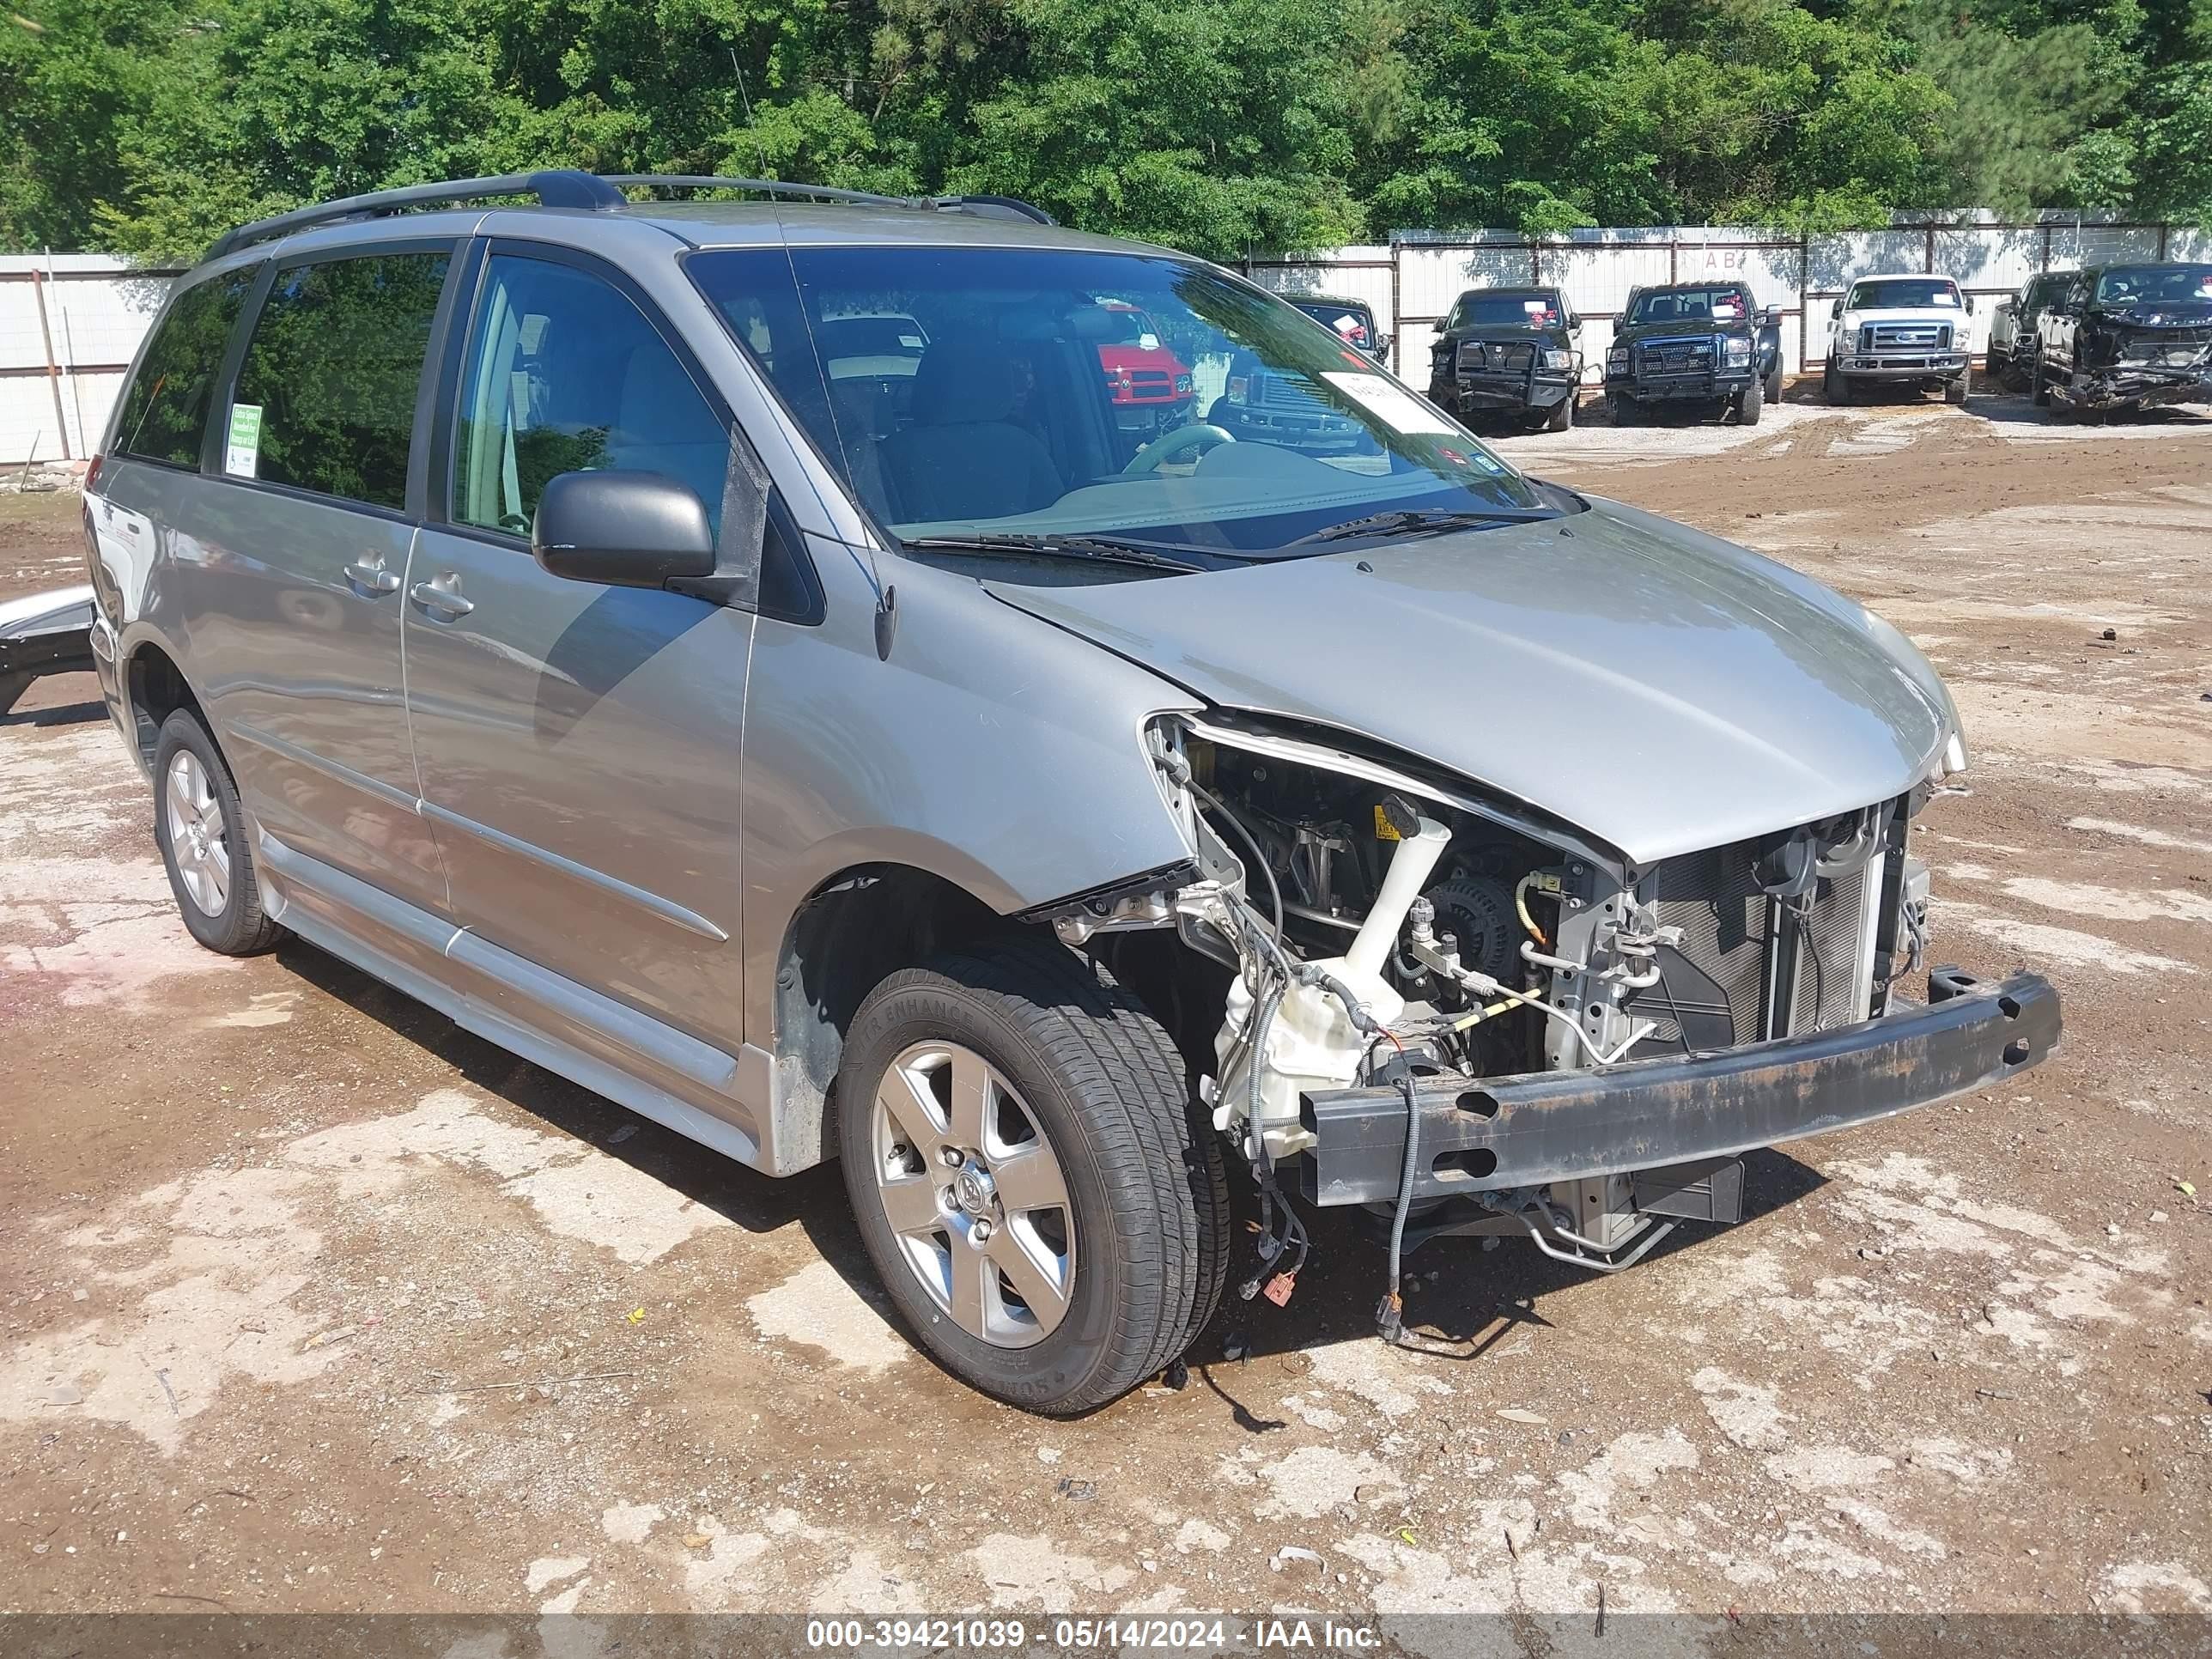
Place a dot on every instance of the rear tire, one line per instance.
(1749, 402)
(1561, 416)
(201, 830)
(1125, 1270)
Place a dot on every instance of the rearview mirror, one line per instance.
(624, 529)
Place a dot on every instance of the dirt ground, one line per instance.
(309, 1300)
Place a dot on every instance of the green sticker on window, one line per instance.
(244, 451)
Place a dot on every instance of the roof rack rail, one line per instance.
(994, 207)
(563, 187)
(569, 187)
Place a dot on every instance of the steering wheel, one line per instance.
(1199, 435)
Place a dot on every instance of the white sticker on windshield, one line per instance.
(1403, 411)
(914, 342)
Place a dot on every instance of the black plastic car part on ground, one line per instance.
(2127, 337)
(43, 633)
(1505, 351)
(1695, 342)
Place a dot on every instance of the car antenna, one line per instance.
(886, 597)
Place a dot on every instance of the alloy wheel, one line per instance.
(975, 1194)
(199, 841)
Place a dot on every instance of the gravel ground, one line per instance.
(308, 1301)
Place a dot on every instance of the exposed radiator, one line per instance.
(1713, 985)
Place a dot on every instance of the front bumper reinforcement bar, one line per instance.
(1480, 1133)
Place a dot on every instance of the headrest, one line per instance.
(963, 383)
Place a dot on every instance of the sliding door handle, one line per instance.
(442, 596)
(373, 577)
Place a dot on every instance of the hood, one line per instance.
(1681, 328)
(1660, 690)
(1508, 335)
(2156, 314)
(1928, 315)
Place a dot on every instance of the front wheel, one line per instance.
(1835, 387)
(1750, 402)
(1620, 409)
(1954, 390)
(2040, 388)
(1041, 1198)
(1561, 415)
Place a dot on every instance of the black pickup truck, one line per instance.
(1509, 349)
(2127, 337)
(1702, 342)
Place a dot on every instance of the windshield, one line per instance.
(1355, 324)
(1903, 294)
(1025, 414)
(1690, 305)
(2153, 284)
(1507, 310)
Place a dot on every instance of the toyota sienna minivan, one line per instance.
(1077, 831)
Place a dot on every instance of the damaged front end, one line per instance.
(1466, 1018)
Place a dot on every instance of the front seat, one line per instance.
(964, 458)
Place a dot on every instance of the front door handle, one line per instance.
(442, 595)
(373, 577)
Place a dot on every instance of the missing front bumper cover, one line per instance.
(1479, 1134)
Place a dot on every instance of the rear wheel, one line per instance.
(1561, 415)
(201, 830)
(1043, 1201)
(1749, 402)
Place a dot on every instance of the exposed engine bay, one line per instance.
(1383, 929)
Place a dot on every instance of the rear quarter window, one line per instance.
(164, 415)
(333, 368)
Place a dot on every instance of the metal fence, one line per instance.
(1411, 282)
(70, 322)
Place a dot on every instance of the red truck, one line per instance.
(1149, 385)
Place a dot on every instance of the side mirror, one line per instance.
(1382, 347)
(1836, 306)
(622, 529)
(1771, 318)
(1969, 299)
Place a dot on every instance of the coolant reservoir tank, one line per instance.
(1311, 1043)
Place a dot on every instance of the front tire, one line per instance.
(1954, 390)
(201, 830)
(1620, 409)
(1038, 1193)
(1835, 388)
(1561, 416)
(1749, 402)
(2040, 388)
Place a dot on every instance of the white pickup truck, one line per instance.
(1907, 327)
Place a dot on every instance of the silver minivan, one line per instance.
(728, 652)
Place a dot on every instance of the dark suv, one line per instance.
(1705, 342)
(1509, 349)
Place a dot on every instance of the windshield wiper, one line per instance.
(1424, 521)
(1105, 550)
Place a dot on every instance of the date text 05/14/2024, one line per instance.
(1187, 1634)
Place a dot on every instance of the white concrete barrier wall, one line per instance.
(71, 322)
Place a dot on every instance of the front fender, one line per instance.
(991, 748)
